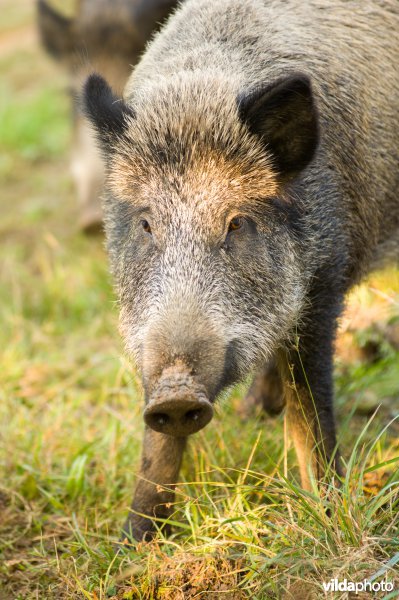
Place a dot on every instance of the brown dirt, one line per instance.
(187, 576)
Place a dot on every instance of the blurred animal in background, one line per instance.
(107, 36)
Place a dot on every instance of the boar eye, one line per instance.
(146, 226)
(235, 224)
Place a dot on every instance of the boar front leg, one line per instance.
(309, 398)
(160, 465)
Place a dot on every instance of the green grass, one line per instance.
(71, 424)
(36, 138)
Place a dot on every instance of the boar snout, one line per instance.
(179, 416)
(178, 406)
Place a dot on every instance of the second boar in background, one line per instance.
(107, 36)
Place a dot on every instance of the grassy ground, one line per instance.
(70, 411)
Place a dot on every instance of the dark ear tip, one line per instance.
(301, 79)
(46, 10)
(56, 30)
(300, 82)
(296, 83)
(95, 85)
(95, 89)
(43, 7)
(95, 80)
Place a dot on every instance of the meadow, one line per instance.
(71, 411)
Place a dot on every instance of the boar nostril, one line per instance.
(161, 418)
(159, 421)
(193, 415)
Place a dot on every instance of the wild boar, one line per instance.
(253, 174)
(108, 36)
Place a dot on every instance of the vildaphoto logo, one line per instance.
(335, 585)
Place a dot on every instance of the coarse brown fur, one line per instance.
(220, 121)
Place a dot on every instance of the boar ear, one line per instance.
(284, 116)
(56, 31)
(107, 113)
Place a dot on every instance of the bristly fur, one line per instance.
(108, 113)
(233, 234)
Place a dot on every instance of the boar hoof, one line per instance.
(141, 529)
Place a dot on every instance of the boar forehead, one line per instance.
(187, 142)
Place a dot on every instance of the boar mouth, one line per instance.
(179, 406)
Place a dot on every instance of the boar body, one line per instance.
(253, 174)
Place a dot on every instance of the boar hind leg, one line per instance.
(267, 390)
(313, 433)
(160, 465)
(309, 401)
